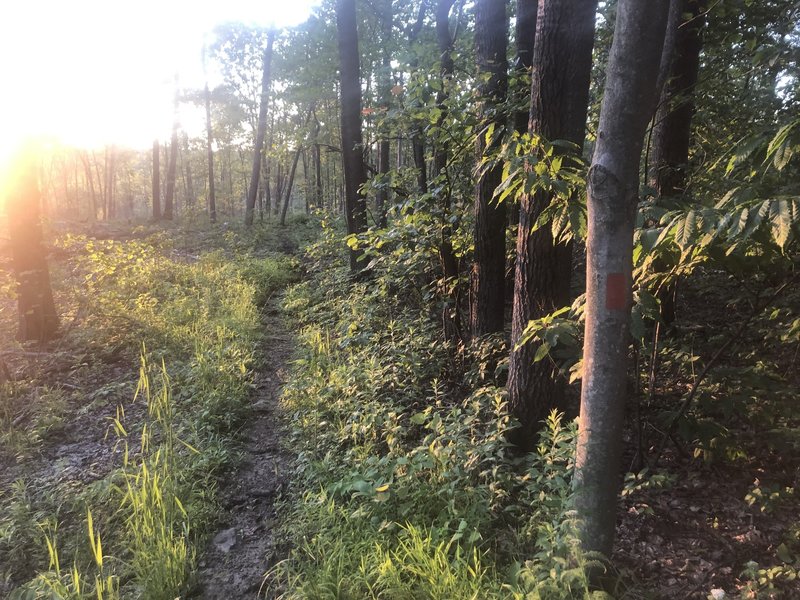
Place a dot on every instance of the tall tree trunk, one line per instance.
(672, 124)
(111, 176)
(671, 137)
(562, 62)
(451, 317)
(417, 140)
(384, 91)
(289, 184)
(261, 130)
(156, 181)
(613, 184)
(319, 197)
(100, 185)
(527, 13)
(169, 197)
(488, 270)
(36, 309)
(352, 160)
(212, 198)
(268, 167)
(90, 178)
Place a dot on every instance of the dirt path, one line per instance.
(233, 565)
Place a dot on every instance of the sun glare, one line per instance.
(91, 72)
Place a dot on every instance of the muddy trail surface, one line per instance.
(244, 546)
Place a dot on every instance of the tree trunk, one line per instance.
(488, 270)
(613, 183)
(527, 11)
(384, 90)
(352, 160)
(289, 184)
(451, 318)
(156, 181)
(37, 312)
(169, 196)
(90, 178)
(671, 138)
(562, 62)
(266, 81)
(212, 198)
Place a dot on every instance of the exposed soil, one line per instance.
(240, 552)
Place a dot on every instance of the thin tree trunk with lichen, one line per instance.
(613, 184)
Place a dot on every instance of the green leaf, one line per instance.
(780, 214)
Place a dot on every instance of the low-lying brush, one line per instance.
(406, 486)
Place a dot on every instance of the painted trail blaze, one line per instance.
(616, 292)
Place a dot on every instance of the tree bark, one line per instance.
(671, 138)
(562, 62)
(156, 181)
(488, 269)
(527, 12)
(212, 197)
(613, 183)
(37, 313)
(355, 175)
(169, 196)
(289, 184)
(266, 81)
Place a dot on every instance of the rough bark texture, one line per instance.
(613, 183)
(669, 151)
(37, 313)
(355, 174)
(290, 184)
(384, 86)
(261, 130)
(562, 61)
(488, 270)
(527, 11)
(156, 181)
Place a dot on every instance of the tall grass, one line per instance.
(197, 322)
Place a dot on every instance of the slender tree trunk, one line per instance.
(100, 185)
(319, 196)
(169, 196)
(613, 184)
(384, 91)
(671, 138)
(417, 140)
(90, 179)
(562, 62)
(156, 181)
(212, 198)
(289, 184)
(451, 317)
(527, 13)
(488, 270)
(266, 81)
(352, 160)
(36, 309)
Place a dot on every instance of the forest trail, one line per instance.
(239, 552)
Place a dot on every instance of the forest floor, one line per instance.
(719, 514)
(244, 545)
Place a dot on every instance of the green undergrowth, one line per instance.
(192, 317)
(405, 485)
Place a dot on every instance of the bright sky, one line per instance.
(90, 72)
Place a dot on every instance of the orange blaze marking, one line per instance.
(616, 292)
